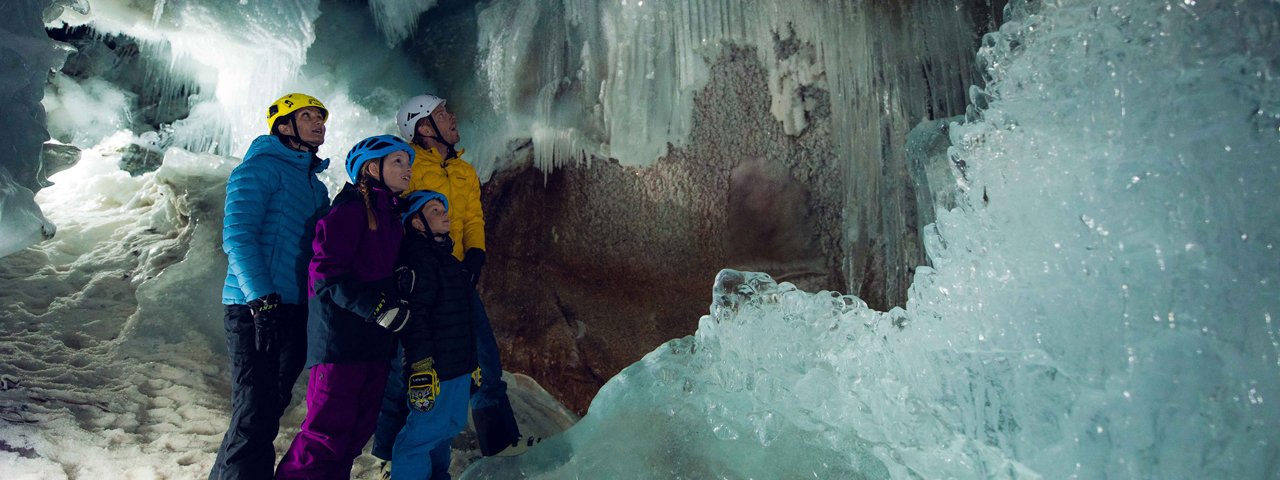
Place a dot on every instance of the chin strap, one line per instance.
(441, 238)
(439, 137)
(293, 123)
(423, 218)
(381, 181)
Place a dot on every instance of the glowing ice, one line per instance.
(1137, 343)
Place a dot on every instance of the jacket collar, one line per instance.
(270, 145)
(432, 155)
(426, 243)
(380, 196)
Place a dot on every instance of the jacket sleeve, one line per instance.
(360, 298)
(334, 260)
(473, 218)
(249, 191)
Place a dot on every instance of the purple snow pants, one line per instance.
(342, 412)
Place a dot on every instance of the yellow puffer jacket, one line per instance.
(457, 180)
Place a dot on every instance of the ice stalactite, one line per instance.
(397, 19)
(621, 80)
(620, 85)
(244, 53)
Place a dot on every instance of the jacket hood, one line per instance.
(270, 145)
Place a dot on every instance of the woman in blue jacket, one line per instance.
(273, 201)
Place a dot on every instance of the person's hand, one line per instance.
(391, 314)
(473, 261)
(405, 279)
(266, 318)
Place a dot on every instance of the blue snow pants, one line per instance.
(422, 449)
(495, 422)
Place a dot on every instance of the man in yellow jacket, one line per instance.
(432, 130)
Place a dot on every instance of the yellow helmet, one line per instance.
(290, 103)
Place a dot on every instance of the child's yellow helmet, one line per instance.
(290, 103)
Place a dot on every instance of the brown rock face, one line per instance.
(593, 266)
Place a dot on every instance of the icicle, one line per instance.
(397, 19)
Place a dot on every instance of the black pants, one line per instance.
(261, 389)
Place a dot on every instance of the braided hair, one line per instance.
(363, 187)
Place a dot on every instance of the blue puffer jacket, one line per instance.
(273, 202)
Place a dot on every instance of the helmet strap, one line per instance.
(423, 218)
(379, 182)
(295, 138)
(376, 182)
(439, 137)
(426, 228)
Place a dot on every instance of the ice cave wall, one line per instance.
(653, 142)
(794, 163)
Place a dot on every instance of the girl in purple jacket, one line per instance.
(354, 312)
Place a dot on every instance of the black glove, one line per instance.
(405, 279)
(266, 329)
(391, 314)
(473, 261)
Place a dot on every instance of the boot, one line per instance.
(521, 445)
(496, 427)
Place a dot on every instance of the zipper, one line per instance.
(448, 181)
(307, 174)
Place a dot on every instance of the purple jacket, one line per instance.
(351, 269)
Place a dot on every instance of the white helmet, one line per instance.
(416, 108)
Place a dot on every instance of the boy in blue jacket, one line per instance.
(439, 345)
(273, 201)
